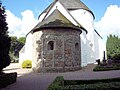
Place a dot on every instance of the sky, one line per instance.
(22, 15)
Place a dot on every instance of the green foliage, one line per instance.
(7, 79)
(16, 45)
(113, 47)
(13, 58)
(21, 40)
(27, 64)
(94, 81)
(98, 84)
(4, 40)
(106, 68)
(13, 44)
(3, 23)
(56, 84)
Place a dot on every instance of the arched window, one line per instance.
(76, 46)
(51, 45)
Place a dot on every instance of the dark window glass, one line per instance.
(50, 45)
(76, 46)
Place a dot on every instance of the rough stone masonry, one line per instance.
(57, 50)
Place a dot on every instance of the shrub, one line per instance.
(7, 79)
(103, 68)
(98, 84)
(27, 64)
(56, 84)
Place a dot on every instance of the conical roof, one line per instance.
(56, 19)
(71, 5)
(74, 4)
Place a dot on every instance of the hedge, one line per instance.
(98, 84)
(7, 79)
(56, 84)
(103, 68)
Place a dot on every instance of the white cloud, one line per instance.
(110, 22)
(20, 26)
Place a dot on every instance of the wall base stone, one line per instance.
(56, 69)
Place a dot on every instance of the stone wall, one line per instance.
(57, 50)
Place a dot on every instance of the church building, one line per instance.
(64, 39)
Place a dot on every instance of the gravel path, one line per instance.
(40, 81)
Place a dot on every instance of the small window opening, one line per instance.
(76, 46)
(51, 45)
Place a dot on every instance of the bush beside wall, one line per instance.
(7, 79)
(27, 64)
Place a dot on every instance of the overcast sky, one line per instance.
(22, 15)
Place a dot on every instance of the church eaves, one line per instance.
(55, 20)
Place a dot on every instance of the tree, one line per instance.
(21, 40)
(113, 47)
(16, 45)
(13, 43)
(4, 40)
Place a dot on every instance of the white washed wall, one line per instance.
(29, 45)
(41, 17)
(96, 47)
(27, 55)
(85, 18)
(91, 53)
(21, 58)
(83, 49)
(102, 47)
(36, 36)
